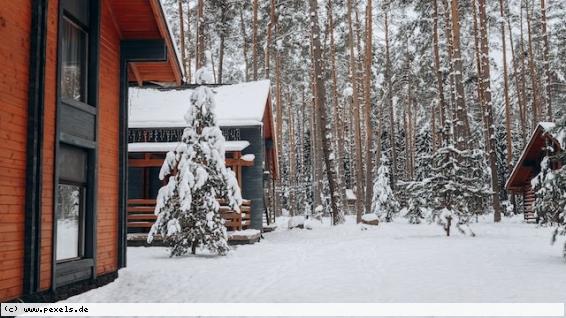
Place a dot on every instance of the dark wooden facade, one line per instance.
(40, 124)
(541, 144)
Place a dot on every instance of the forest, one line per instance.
(416, 108)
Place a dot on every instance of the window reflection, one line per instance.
(73, 72)
(69, 221)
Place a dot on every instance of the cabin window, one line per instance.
(74, 61)
(76, 150)
(71, 195)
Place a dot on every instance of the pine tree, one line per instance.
(418, 201)
(457, 185)
(384, 203)
(187, 207)
(549, 184)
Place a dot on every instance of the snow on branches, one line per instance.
(187, 207)
(550, 185)
(384, 204)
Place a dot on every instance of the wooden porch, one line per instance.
(141, 215)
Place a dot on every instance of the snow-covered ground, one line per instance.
(397, 262)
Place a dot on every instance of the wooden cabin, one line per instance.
(156, 124)
(540, 144)
(66, 66)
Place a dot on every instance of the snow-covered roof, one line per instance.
(236, 105)
(169, 146)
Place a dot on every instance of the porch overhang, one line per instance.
(144, 20)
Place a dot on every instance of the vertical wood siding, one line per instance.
(15, 22)
(108, 135)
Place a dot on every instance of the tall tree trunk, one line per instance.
(508, 117)
(254, 40)
(532, 68)
(337, 109)
(523, 69)
(462, 125)
(182, 36)
(189, 62)
(479, 86)
(485, 78)
(324, 129)
(546, 61)
(388, 80)
(223, 32)
(439, 75)
(279, 122)
(356, 111)
(269, 43)
(449, 115)
(292, 159)
(244, 45)
(316, 144)
(368, 112)
(520, 92)
(200, 35)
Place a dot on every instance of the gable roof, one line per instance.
(532, 151)
(237, 105)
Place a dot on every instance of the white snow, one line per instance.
(236, 105)
(350, 194)
(170, 146)
(247, 232)
(248, 157)
(369, 217)
(395, 262)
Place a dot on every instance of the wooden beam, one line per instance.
(142, 163)
(134, 69)
(144, 50)
(238, 162)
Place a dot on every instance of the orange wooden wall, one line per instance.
(108, 142)
(15, 20)
(15, 23)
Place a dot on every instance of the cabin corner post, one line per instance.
(130, 51)
(123, 159)
(34, 155)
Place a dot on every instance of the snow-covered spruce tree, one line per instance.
(187, 207)
(550, 185)
(423, 145)
(418, 201)
(456, 185)
(384, 203)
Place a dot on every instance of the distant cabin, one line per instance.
(541, 143)
(243, 112)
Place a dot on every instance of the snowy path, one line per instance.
(509, 262)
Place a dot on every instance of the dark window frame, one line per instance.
(78, 128)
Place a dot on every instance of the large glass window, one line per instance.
(74, 61)
(71, 195)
